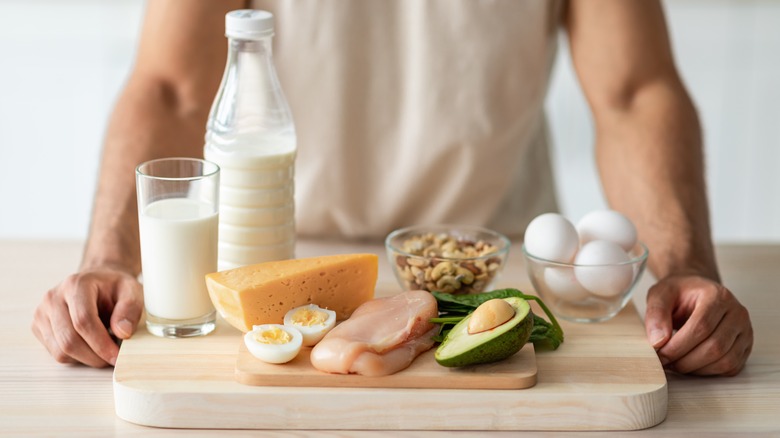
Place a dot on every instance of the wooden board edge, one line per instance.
(381, 409)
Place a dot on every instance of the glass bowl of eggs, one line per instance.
(585, 273)
(454, 259)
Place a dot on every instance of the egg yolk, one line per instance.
(273, 336)
(309, 317)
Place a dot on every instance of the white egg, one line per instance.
(562, 282)
(312, 321)
(607, 225)
(552, 237)
(607, 277)
(273, 343)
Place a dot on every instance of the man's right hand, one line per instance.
(162, 112)
(74, 317)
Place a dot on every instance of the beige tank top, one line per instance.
(417, 111)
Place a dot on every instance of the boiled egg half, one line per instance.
(273, 343)
(312, 321)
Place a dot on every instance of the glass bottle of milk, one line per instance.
(251, 136)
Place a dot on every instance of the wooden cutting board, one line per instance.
(517, 372)
(604, 377)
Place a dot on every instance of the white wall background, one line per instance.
(63, 63)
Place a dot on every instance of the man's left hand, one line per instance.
(713, 331)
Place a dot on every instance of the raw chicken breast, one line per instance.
(383, 336)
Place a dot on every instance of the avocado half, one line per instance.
(461, 348)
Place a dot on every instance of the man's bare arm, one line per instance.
(649, 154)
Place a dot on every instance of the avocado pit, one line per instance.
(489, 315)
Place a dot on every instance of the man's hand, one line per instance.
(73, 319)
(162, 112)
(713, 332)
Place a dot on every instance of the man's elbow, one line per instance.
(658, 94)
(181, 98)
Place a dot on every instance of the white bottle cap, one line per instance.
(249, 24)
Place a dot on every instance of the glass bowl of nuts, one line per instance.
(447, 258)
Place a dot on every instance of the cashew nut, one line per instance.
(449, 246)
(464, 275)
(420, 263)
(442, 269)
(448, 280)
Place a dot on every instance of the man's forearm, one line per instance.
(649, 153)
(149, 121)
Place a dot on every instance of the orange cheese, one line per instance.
(263, 293)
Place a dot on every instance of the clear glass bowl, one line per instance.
(561, 287)
(454, 259)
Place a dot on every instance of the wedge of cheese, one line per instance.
(263, 293)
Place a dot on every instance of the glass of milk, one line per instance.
(178, 204)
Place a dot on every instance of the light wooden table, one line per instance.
(40, 397)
